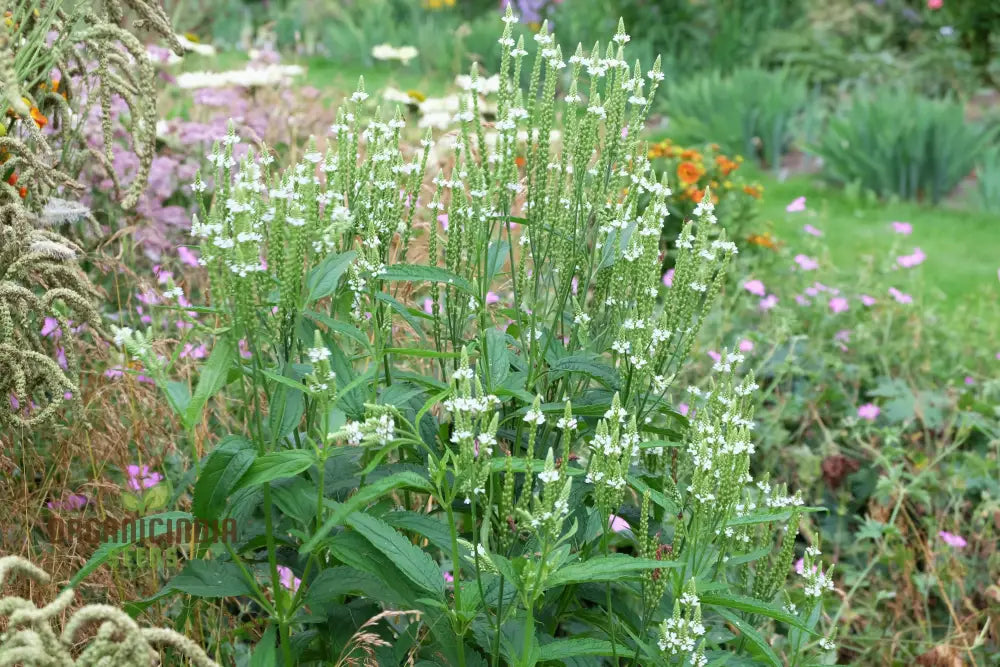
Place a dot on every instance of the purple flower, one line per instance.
(716, 357)
(187, 256)
(617, 524)
(443, 219)
(755, 287)
(953, 540)
(911, 260)
(797, 205)
(903, 228)
(838, 304)
(74, 502)
(901, 297)
(746, 345)
(809, 229)
(448, 577)
(867, 300)
(969, 380)
(491, 298)
(668, 278)
(806, 263)
(288, 579)
(868, 411)
(139, 477)
(801, 300)
(51, 328)
(683, 408)
(768, 302)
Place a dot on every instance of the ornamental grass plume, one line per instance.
(39, 276)
(30, 639)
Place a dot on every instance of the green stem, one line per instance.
(456, 572)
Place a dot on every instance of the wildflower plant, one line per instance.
(467, 461)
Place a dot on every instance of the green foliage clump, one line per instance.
(902, 144)
(752, 112)
(504, 463)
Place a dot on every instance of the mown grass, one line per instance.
(961, 244)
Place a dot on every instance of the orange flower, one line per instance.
(23, 192)
(12, 179)
(726, 165)
(690, 154)
(689, 172)
(753, 190)
(520, 161)
(39, 118)
(694, 194)
(764, 240)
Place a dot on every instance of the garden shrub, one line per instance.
(902, 144)
(499, 476)
(752, 112)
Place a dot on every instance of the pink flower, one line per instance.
(842, 336)
(288, 579)
(491, 298)
(867, 300)
(806, 263)
(903, 228)
(768, 302)
(443, 219)
(969, 380)
(716, 357)
(429, 306)
(448, 578)
(199, 352)
(617, 524)
(953, 540)
(800, 566)
(51, 328)
(245, 349)
(73, 502)
(809, 229)
(797, 205)
(755, 287)
(935, 4)
(868, 411)
(901, 297)
(187, 256)
(624, 132)
(801, 300)
(575, 283)
(909, 261)
(114, 373)
(838, 304)
(668, 278)
(746, 345)
(139, 477)
(683, 408)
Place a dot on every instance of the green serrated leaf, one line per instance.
(276, 465)
(222, 469)
(615, 567)
(421, 273)
(411, 560)
(322, 280)
(211, 378)
(561, 649)
(210, 579)
(361, 499)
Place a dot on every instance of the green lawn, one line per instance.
(962, 246)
